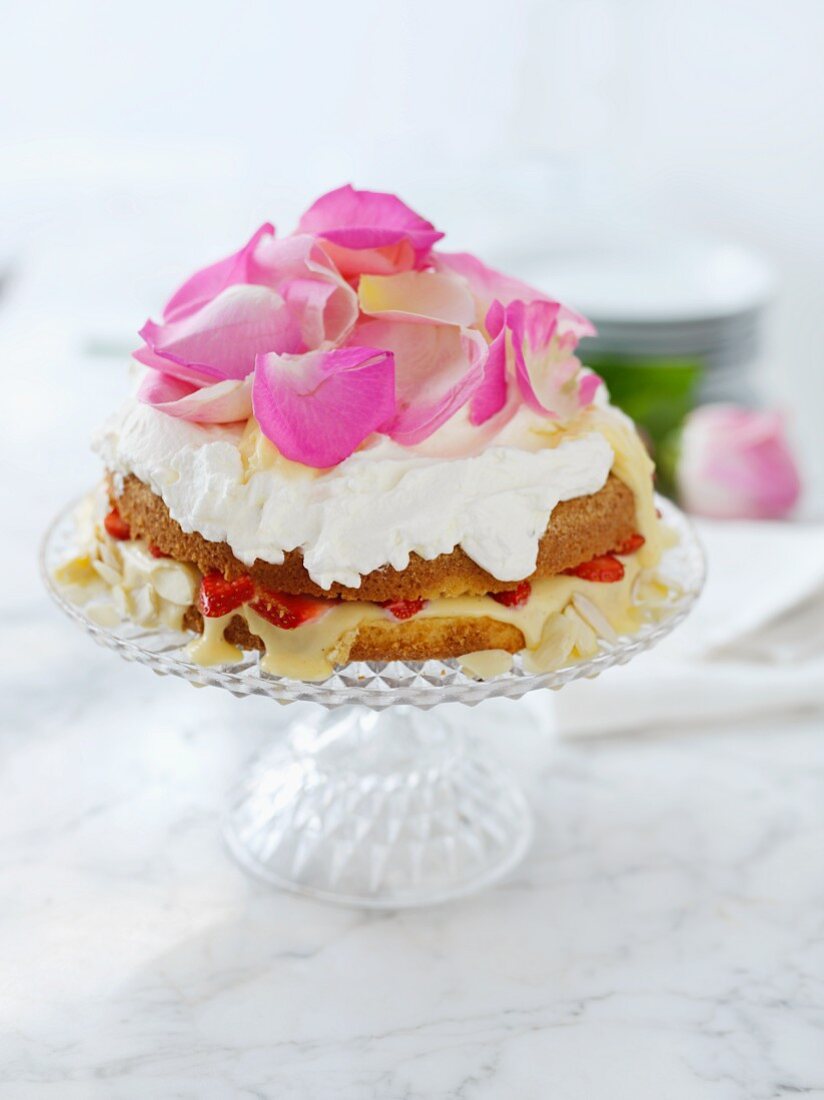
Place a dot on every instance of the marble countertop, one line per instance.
(663, 939)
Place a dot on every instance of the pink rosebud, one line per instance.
(735, 464)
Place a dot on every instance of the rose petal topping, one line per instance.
(417, 296)
(369, 231)
(546, 366)
(444, 328)
(318, 408)
(438, 368)
(299, 267)
(297, 302)
(490, 396)
(222, 340)
(207, 283)
(588, 387)
(222, 403)
(544, 337)
(486, 283)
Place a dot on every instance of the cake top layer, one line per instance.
(356, 326)
(379, 505)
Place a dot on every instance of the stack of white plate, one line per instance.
(665, 300)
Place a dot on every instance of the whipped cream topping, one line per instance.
(376, 508)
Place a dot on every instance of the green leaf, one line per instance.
(656, 393)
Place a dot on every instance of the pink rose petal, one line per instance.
(437, 370)
(574, 325)
(171, 369)
(490, 396)
(298, 301)
(389, 260)
(456, 331)
(417, 296)
(369, 231)
(207, 283)
(223, 403)
(222, 339)
(313, 287)
(323, 316)
(544, 338)
(317, 408)
(486, 283)
(526, 327)
(588, 387)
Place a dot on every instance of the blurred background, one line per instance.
(658, 164)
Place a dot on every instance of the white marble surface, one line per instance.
(663, 940)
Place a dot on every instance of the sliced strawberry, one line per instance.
(516, 598)
(606, 569)
(287, 611)
(633, 543)
(404, 609)
(116, 526)
(156, 552)
(219, 596)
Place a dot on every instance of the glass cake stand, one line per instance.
(375, 800)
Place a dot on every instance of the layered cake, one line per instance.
(349, 444)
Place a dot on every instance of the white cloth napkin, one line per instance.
(754, 644)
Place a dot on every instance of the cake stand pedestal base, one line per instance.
(382, 810)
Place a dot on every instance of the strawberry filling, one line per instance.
(633, 543)
(156, 552)
(287, 611)
(605, 569)
(516, 598)
(404, 609)
(219, 596)
(116, 526)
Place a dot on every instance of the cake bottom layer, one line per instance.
(422, 640)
